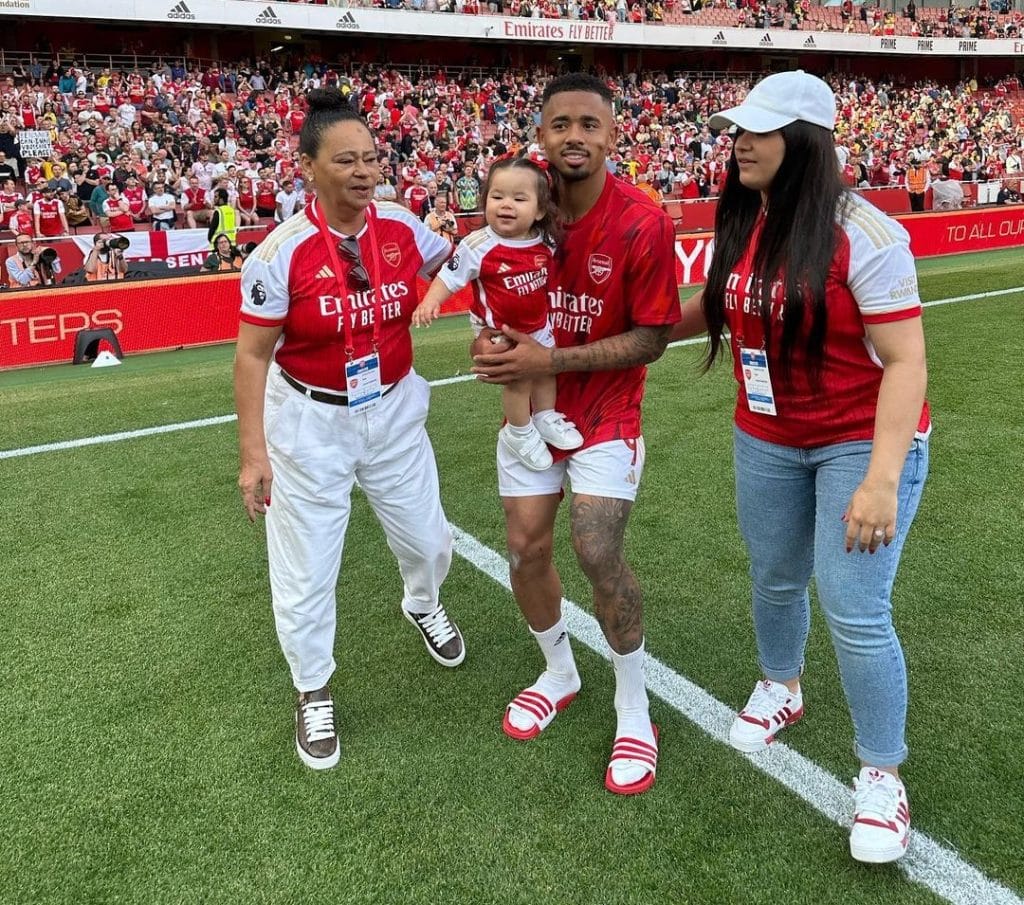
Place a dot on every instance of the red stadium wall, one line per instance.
(39, 326)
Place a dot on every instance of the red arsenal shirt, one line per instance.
(871, 280)
(614, 270)
(289, 282)
(509, 278)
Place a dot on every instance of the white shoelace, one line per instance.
(318, 717)
(767, 700)
(876, 797)
(437, 627)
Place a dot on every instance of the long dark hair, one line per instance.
(550, 225)
(796, 244)
(326, 107)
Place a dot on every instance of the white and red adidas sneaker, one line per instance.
(771, 707)
(881, 817)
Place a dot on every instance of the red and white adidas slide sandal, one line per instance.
(537, 707)
(634, 751)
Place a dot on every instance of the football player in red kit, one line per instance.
(614, 298)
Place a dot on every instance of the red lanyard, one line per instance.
(320, 219)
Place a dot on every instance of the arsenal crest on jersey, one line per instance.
(391, 253)
(599, 267)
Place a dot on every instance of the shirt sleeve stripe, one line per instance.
(262, 321)
(886, 317)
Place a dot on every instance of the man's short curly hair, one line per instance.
(577, 81)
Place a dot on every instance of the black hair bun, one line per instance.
(323, 99)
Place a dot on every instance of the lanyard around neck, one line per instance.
(329, 240)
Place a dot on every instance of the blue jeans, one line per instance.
(790, 504)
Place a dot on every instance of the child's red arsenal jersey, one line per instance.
(509, 277)
(613, 271)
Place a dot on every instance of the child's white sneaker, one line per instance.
(528, 448)
(554, 429)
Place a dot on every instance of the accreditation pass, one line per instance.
(757, 381)
(362, 378)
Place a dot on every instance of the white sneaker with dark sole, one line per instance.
(881, 817)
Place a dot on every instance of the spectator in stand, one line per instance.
(8, 197)
(197, 204)
(163, 207)
(467, 191)
(135, 195)
(59, 180)
(246, 202)
(266, 194)
(947, 195)
(98, 196)
(22, 221)
(49, 215)
(385, 189)
(117, 211)
(76, 213)
(416, 198)
(287, 201)
(7, 168)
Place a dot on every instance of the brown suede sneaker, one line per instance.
(315, 738)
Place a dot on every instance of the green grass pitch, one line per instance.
(147, 755)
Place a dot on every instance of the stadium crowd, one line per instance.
(984, 19)
(150, 149)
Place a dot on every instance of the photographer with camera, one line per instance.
(106, 260)
(441, 220)
(225, 255)
(32, 265)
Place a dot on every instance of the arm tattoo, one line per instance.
(638, 346)
(598, 533)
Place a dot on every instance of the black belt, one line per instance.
(319, 395)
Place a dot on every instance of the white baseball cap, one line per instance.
(779, 100)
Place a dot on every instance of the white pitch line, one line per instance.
(926, 861)
(445, 381)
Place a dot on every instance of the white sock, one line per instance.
(523, 431)
(542, 413)
(631, 709)
(560, 678)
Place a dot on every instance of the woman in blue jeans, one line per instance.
(818, 292)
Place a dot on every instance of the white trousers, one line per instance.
(318, 452)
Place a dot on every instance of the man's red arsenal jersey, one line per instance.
(49, 217)
(613, 271)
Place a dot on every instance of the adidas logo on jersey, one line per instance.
(810, 41)
(181, 11)
(268, 17)
(325, 273)
(719, 38)
(503, 267)
(766, 41)
(347, 21)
